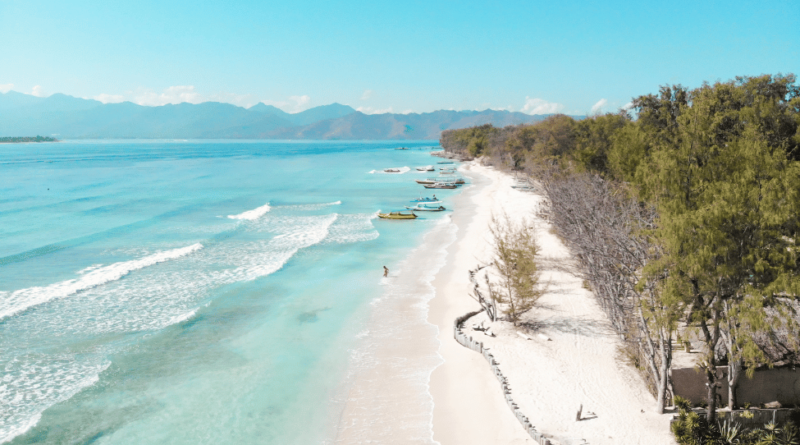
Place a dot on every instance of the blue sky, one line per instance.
(531, 56)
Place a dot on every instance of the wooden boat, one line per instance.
(397, 215)
(440, 185)
(427, 168)
(426, 208)
(443, 179)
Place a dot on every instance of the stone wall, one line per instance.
(476, 346)
(767, 385)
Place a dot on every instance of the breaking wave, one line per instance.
(20, 300)
(252, 215)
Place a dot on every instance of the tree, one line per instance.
(515, 252)
(727, 198)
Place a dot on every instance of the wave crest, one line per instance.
(19, 300)
(252, 215)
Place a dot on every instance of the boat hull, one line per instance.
(397, 215)
(422, 209)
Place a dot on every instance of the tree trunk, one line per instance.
(711, 397)
(666, 363)
(734, 372)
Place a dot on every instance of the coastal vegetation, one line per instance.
(683, 212)
(12, 140)
(692, 429)
(515, 254)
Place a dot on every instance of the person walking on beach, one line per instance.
(385, 271)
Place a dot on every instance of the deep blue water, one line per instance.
(191, 292)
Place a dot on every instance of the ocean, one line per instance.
(204, 292)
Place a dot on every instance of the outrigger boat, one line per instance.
(397, 215)
(426, 208)
(426, 199)
(456, 181)
(440, 185)
(427, 168)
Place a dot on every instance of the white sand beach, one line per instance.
(550, 379)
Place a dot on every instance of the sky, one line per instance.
(573, 57)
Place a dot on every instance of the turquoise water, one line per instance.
(192, 292)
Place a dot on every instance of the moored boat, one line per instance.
(426, 208)
(443, 179)
(426, 199)
(397, 215)
(440, 185)
(445, 162)
(427, 168)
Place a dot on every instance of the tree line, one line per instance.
(19, 139)
(683, 212)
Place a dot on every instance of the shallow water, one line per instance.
(194, 292)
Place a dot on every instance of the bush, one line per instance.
(692, 429)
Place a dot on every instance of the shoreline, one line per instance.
(417, 384)
(469, 407)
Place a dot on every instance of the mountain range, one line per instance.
(67, 117)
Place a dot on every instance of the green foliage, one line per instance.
(692, 429)
(720, 164)
(594, 138)
(719, 170)
(471, 141)
(515, 252)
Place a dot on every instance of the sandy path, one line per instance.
(549, 379)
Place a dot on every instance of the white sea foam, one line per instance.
(268, 257)
(353, 228)
(182, 317)
(312, 206)
(254, 214)
(32, 384)
(143, 302)
(19, 300)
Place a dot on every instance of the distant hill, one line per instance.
(400, 126)
(67, 117)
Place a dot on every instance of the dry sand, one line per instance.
(550, 379)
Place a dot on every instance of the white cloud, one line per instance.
(109, 98)
(407, 112)
(242, 100)
(598, 107)
(627, 106)
(294, 104)
(300, 102)
(540, 106)
(38, 91)
(370, 110)
(172, 95)
(367, 94)
(6, 87)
